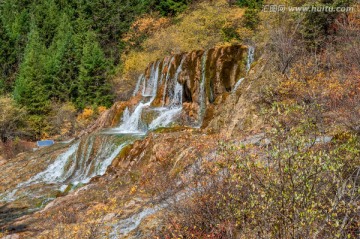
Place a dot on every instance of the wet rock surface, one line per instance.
(182, 108)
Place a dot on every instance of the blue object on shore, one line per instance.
(45, 143)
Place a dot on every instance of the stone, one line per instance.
(2, 161)
(13, 236)
(108, 217)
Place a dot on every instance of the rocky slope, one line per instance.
(118, 175)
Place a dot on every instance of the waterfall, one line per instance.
(165, 93)
(161, 94)
(175, 94)
(238, 84)
(82, 161)
(52, 174)
(138, 84)
(169, 113)
(249, 61)
(166, 80)
(165, 118)
(131, 123)
(250, 58)
(166, 63)
(202, 98)
(56, 171)
(126, 115)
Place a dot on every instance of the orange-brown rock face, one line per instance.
(220, 68)
(204, 75)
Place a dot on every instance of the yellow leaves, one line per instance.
(200, 28)
(133, 189)
(65, 128)
(101, 109)
(148, 24)
(86, 114)
(145, 26)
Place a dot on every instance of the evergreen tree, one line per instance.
(171, 7)
(252, 4)
(30, 90)
(93, 86)
(13, 31)
(4, 46)
(47, 16)
(61, 64)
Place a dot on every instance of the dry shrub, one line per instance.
(294, 187)
(199, 28)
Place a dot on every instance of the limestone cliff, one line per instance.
(181, 107)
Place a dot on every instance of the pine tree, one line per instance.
(47, 16)
(171, 7)
(13, 31)
(30, 90)
(94, 88)
(3, 58)
(61, 63)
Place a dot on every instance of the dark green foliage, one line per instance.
(62, 62)
(94, 87)
(171, 7)
(30, 89)
(318, 25)
(229, 33)
(251, 18)
(253, 4)
(13, 36)
(61, 29)
(58, 51)
(47, 16)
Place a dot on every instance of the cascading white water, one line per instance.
(151, 84)
(167, 80)
(169, 113)
(249, 61)
(138, 84)
(202, 97)
(55, 172)
(76, 165)
(131, 123)
(173, 93)
(236, 86)
(250, 58)
(91, 157)
(176, 100)
(126, 115)
(165, 118)
(166, 64)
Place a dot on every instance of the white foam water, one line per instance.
(165, 118)
(250, 57)
(74, 166)
(167, 80)
(202, 98)
(238, 83)
(138, 84)
(249, 61)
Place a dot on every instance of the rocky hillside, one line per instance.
(231, 140)
(175, 116)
